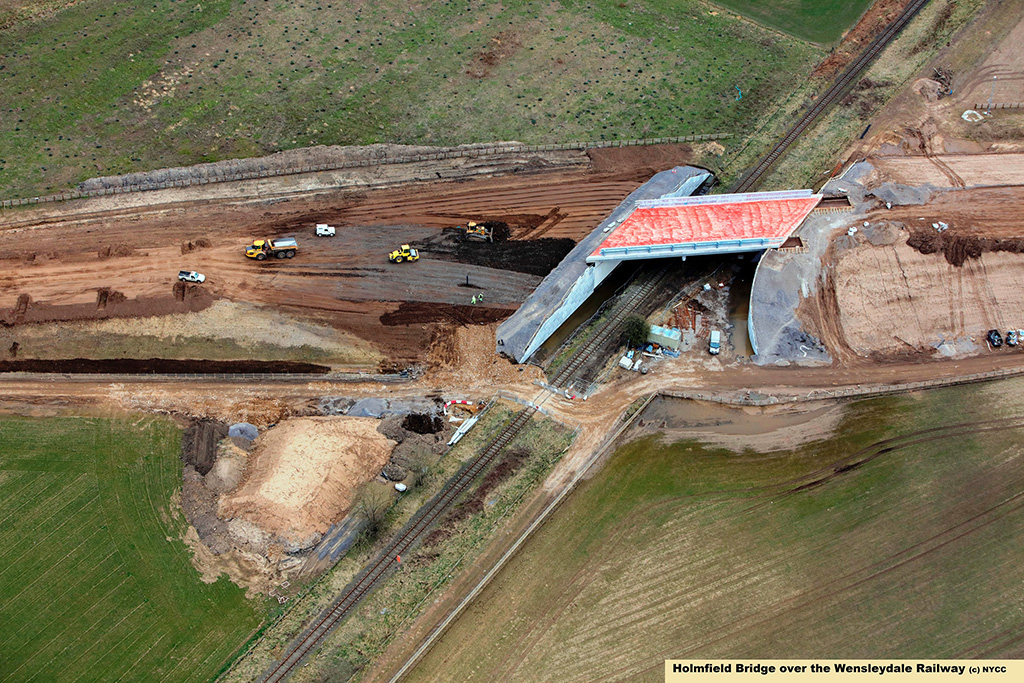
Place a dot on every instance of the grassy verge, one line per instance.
(816, 151)
(111, 345)
(103, 88)
(94, 582)
(684, 550)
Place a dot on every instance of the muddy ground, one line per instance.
(124, 262)
(199, 443)
(923, 281)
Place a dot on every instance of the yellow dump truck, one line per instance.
(261, 250)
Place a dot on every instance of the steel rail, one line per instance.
(565, 374)
(387, 560)
(836, 89)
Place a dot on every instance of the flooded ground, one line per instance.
(739, 305)
(774, 427)
(619, 277)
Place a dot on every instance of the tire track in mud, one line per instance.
(578, 204)
(997, 643)
(506, 668)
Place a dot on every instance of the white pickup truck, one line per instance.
(324, 230)
(191, 276)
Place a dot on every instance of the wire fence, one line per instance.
(751, 398)
(374, 159)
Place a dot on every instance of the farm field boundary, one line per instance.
(751, 398)
(206, 174)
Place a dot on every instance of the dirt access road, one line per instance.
(124, 261)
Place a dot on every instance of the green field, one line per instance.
(897, 536)
(819, 21)
(94, 581)
(104, 88)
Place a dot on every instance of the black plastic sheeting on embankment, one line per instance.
(141, 366)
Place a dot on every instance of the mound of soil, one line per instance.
(112, 304)
(109, 250)
(199, 443)
(958, 248)
(304, 474)
(536, 257)
(105, 295)
(418, 312)
(136, 366)
(394, 472)
(195, 245)
(640, 162)
(422, 423)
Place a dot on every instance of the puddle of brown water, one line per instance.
(760, 429)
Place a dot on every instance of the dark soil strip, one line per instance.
(159, 366)
(199, 443)
(959, 248)
(536, 257)
(413, 312)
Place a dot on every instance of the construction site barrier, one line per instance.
(1001, 105)
(374, 159)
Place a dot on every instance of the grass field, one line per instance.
(94, 583)
(682, 550)
(109, 87)
(819, 21)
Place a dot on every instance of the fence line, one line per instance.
(1003, 105)
(751, 398)
(371, 160)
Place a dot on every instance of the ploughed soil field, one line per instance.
(125, 263)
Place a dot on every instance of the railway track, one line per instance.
(835, 90)
(387, 560)
(566, 373)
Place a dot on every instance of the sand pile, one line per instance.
(303, 475)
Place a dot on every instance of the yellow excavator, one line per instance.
(405, 253)
(479, 231)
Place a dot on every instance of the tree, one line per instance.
(635, 329)
(418, 463)
(372, 504)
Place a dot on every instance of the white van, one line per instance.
(716, 342)
(324, 230)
